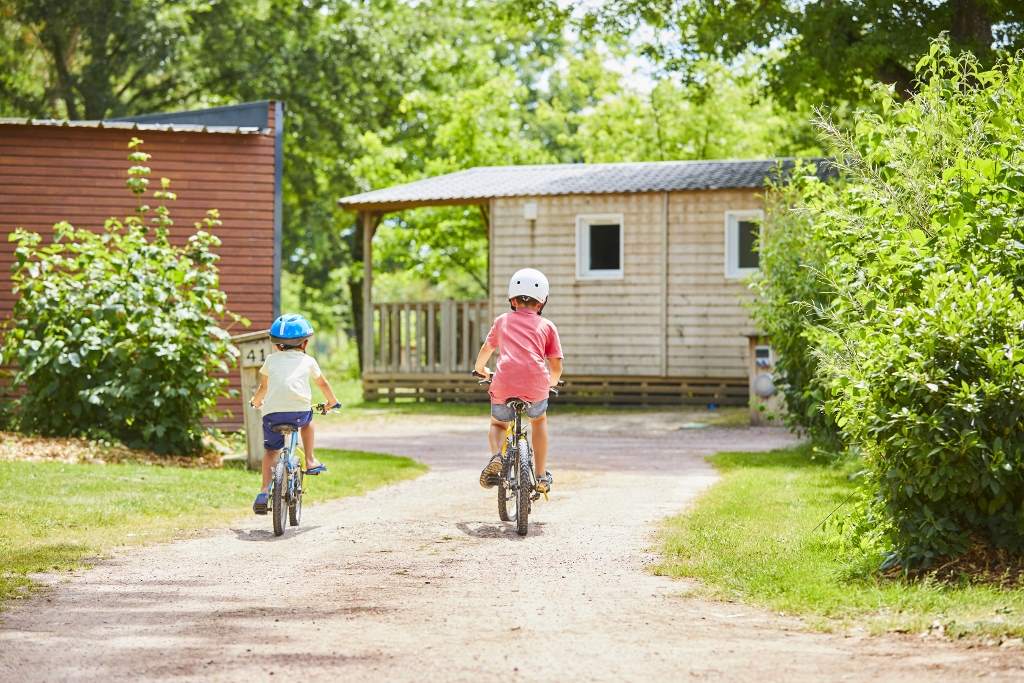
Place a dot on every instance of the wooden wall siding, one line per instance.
(49, 174)
(615, 327)
(707, 320)
(607, 327)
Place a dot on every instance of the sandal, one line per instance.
(317, 469)
(544, 483)
(259, 506)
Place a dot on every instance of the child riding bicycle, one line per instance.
(529, 364)
(284, 396)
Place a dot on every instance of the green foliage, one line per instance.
(718, 115)
(919, 344)
(789, 308)
(830, 51)
(115, 332)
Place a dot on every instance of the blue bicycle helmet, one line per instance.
(290, 329)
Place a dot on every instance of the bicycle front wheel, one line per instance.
(279, 498)
(525, 487)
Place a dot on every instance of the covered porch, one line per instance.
(415, 350)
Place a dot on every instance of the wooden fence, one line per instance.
(428, 338)
(426, 351)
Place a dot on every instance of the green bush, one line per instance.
(917, 345)
(791, 295)
(115, 333)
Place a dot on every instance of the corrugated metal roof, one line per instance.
(131, 125)
(486, 182)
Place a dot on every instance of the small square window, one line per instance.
(742, 231)
(599, 249)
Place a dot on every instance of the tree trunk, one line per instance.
(971, 26)
(891, 71)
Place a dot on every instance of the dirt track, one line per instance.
(419, 582)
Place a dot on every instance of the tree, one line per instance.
(97, 59)
(831, 48)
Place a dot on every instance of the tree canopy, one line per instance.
(827, 50)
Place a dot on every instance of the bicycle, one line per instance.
(517, 482)
(287, 476)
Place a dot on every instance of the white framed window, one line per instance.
(742, 229)
(599, 246)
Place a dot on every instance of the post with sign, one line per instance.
(766, 404)
(254, 349)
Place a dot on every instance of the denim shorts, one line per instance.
(502, 413)
(274, 441)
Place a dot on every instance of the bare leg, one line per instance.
(540, 443)
(496, 435)
(307, 434)
(268, 464)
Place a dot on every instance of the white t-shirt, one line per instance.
(288, 389)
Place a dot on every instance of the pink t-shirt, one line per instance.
(523, 339)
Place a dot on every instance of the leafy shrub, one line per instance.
(909, 324)
(114, 334)
(791, 295)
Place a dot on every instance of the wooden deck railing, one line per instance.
(434, 337)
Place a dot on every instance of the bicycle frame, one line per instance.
(515, 432)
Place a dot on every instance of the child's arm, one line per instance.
(325, 387)
(261, 392)
(556, 370)
(481, 359)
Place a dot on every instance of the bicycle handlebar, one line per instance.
(323, 409)
(486, 379)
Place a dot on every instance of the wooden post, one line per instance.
(369, 222)
(665, 289)
(254, 348)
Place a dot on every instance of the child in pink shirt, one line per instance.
(527, 347)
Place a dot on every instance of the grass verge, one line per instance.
(56, 515)
(751, 537)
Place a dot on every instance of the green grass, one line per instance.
(56, 515)
(752, 537)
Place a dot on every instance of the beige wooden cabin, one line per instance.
(647, 263)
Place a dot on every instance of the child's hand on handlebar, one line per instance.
(483, 372)
(323, 408)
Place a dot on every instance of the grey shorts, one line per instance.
(502, 413)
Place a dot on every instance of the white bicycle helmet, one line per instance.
(529, 282)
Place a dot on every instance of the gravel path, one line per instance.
(420, 582)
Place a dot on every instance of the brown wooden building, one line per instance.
(225, 158)
(647, 263)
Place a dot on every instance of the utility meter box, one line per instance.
(253, 348)
(766, 405)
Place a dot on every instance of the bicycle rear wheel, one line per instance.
(525, 487)
(280, 504)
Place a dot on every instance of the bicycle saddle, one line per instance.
(517, 402)
(283, 428)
